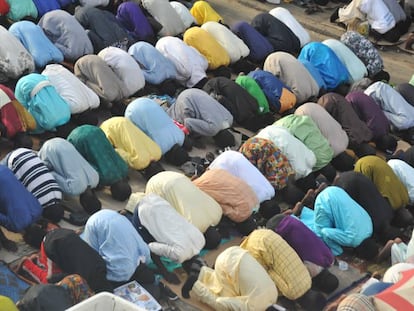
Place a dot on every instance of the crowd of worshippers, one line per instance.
(163, 72)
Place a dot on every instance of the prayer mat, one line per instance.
(11, 285)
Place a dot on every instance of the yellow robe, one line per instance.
(384, 178)
(133, 145)
(205, 43)
(281, 262)
(193, 204)
(203, 12)
(238, 282)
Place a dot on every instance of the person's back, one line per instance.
(114, 237)
(37, 43)
(338, 226)
(19, 60)
(366, 194)
(333, 72)
(237, 164)
(175, 237)
(93, 145)
(73, 255)
(200, 113)
(19, 208)
(147, 115)
(329, 127)
(181, 193)
(387, 183)
(236, 198)
(303, 128)
(132, 144)
(243, 283)
(281, 262)
(36, 177)
(66, 33)
(278, 34)
(294, 74)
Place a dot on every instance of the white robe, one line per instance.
(190, 64)
(125, 67)
(184, 13)
(175, 237)
(355, 66)
(78, 96)
(289, 20)
(397, 110)
(235, 163)
(300, 157)
(233, 45)
(165, 14)
(405, 174)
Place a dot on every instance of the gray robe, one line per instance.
(200, 113)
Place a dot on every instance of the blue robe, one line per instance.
(37, 43)
(41, 99)
(114, 237)
(71, 171)
(44, 6)
(155, 122)
(338, 220)
(332, 70)
(18, 207)
(259, 46)
(155, 66)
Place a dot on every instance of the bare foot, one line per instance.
(309, 198)
(297, 210)
(385, 252)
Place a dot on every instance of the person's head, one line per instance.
(87, 117)
(368, 249)
(387, 144)
(153, 169)
(343, 162)
(364, 149)
(325, 281)
(90, 201)
(269, 208)
(312, 300)
(121, 190)
(176, 155)
(212, 237)
(168, 87)
(3, 130)
(45, 297)
(53, 212)
(274, 222)
(224, 138)
(34, 235)
(247, 226)
(329, 172)
(22, 140)
(64, 130)
(222, 71)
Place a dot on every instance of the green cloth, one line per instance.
(306, 130)
(384, 178)
(251, 86)
(93, 145)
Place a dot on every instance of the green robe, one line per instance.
(306, 130)
(251, 86)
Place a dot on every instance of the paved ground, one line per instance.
(400, 65)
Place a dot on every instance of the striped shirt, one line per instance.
(35, 176)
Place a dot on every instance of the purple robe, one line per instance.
(131, 17)
(368, 111)
(307, 245)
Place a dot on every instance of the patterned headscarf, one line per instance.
(78, 288)
(269, 160)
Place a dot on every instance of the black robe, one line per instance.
(278, 34)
